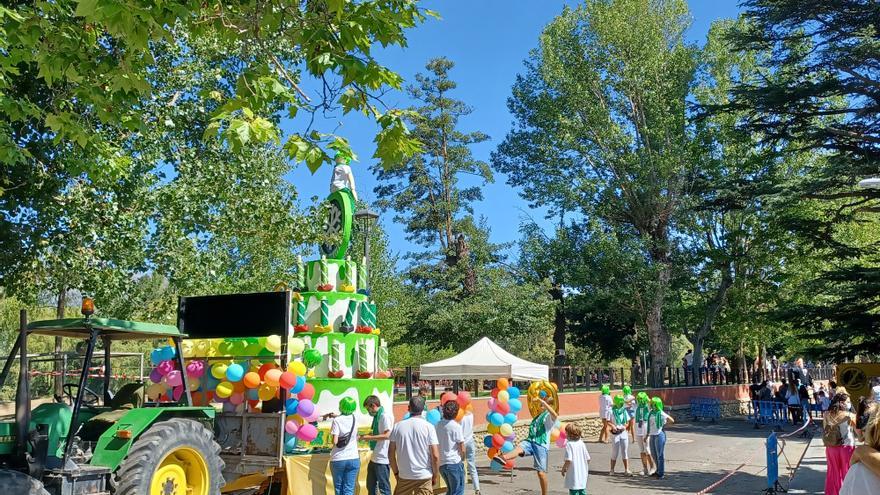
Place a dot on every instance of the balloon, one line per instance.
(236, 398)
(218, 371)
(229, 407)
(194, 384)
(502, 384)
(297, 368)
(174, 379)
(502, 408)
(464, 398)
(272, 376)
(497, 440)
(253, 394)
(560, 442)
(291, 427)
(511, 437)
(155, 376)
(490, 428)
(168, 352)
(253, 348)
(238, 387)
(305, 408)
(273, 343)
(506, 447)
(460, 415)
(447, 396)
(177, 393)
(496, 419)
(164, 367)
(287, 380)
(510, 418)
(296, 346)
(307, 392)
(503, 396)
(554, 434)
(513, 392)
(155, 390)
(495, 466)
(211, 382)
(307, 432)
(434, 416)
(223, 390)
(515, 405)
(505, 430)
(492, 403)
(266, 392)
(264, 368)
(251, 379)
(290, 406)
(298, 386)
(195, 369)
(494, 393)
(487, 441)
(491, 453)
(156, 357)
(290, 444)
(198, 399)
(234, 372)
(312, 357)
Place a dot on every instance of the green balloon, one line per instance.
(312, 357)
(347, 405)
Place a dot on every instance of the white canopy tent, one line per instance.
(484, 360)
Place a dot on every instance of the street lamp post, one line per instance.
(366, 217)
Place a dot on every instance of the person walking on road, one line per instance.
(839, 440)
(451, 446)
(413, 453)
(576, 468)
(378, 470)
(657, 419)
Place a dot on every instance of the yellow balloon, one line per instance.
(554, 434)
(505, 429)
(297, 368)
(224, 389)
(218, 371)
(266, 392)
(273, 343)
(194, 384)
(503, 396)
(155, 390)
(296, 346)
(493, 429)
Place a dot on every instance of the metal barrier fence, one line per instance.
(586, 378)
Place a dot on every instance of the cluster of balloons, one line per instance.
(463, 398)
(504, 405)
(558, 435)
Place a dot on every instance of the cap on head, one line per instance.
(657, 403)
(642, 398)
(347, 405)
(606, 390)
(627, 390)
(618, 401)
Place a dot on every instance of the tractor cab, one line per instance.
(55, 440)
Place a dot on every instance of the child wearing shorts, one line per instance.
(536, 444)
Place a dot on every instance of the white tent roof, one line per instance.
(484, 360)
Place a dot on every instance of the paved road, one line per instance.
(697, 455)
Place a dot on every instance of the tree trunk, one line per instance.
(463, 256)
(559, 326)
(712, 311)
(658, 336)
(60, 304)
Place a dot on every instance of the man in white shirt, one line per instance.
(451, 448)
(470, 449)
(413, 453)
(378, 470)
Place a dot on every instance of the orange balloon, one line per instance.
(264, 368)
(272, 377)
(461, 413)
(503, 384)
(251, 380)
(491, 453)
(238, 388)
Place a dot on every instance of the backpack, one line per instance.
(831, 435)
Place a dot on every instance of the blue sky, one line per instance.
(487, 40)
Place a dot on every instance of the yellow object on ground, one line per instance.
(182, 472)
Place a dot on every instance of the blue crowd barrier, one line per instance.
(768, 413)
(705, 408)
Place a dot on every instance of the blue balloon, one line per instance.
(210, 382)
(290, 406)
(496, 419)
(496, 466)
(507, 447)
(513, 392)
(234, 372)
(434, 416)
(167, 352)
(290, 443)
(298, 386)
(510, 418)
(542, 394)
(515, 405)
(156, 357)
(252, 394)
(489, 416)
(487, 441)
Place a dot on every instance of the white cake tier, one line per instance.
(340, 274)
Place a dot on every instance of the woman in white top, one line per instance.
(451, 446)
(605, 413)
(837, 426)
(657, 419)
(641, 426)
(344, 459)
(863, 477)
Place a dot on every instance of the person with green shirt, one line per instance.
(537, 444)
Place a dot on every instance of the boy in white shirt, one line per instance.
(378, 470)
(451, 440)
(576, 468)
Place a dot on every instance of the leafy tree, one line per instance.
(424, 191)
(819, 94)
(606, 93)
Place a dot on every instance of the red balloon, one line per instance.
(307, 392)
(495, 393)
(464, 398)
(497, 440)
(264, 368)
(287, 380)
(446, 397)
(502, 407)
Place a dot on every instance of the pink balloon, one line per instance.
(307, 392)
(560, 442)
(307, 432)
(236, 399)
(177, 393)
(165, 366)
(291, 427)
(174, 379)
(491, 403)
(195, 368)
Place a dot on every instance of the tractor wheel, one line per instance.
(18, 482)
(174, 457)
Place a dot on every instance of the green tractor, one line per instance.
(101, 442)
